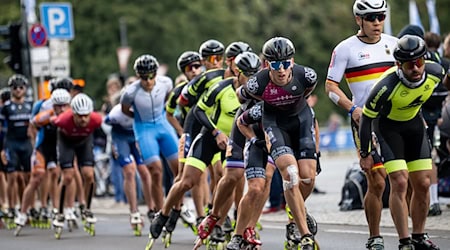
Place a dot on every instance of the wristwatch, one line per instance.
(364, 154)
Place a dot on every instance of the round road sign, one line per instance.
(37, 35)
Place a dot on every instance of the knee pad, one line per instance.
(293, 178)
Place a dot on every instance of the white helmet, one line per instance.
(82, 104)
(60, 96)
(363, 7)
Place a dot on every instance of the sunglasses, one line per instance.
(149, 76)
(214, 58)
(276, 65)
(410, 64)
(191, 67)
(18, 87)
(373, 17)
(246, 73)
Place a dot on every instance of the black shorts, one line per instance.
(68, 149)
(18, 154)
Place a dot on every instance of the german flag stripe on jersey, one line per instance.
(367, 72)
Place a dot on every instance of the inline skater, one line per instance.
(284, 87)
(128, 155)
(75, 139)
(16, 114)
(211, 52)
(401, 136)
(144, 100)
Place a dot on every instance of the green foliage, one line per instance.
(167, 28)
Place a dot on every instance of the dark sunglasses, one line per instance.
(410, 64)
(191, 67)
(149, 76)
(18, 87)
(373, 17)
(276, 65)
(246, 73)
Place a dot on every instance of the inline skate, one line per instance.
(58, 225)
(89, 222)
(44, 218)
(170, 227)
(136, 223)
(293, 237)
(156, 227)
(69, 214)
(20, 220)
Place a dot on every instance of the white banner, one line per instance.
(434, 21)
(414, 17)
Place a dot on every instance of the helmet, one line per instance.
(236, 48)
(145, 65)
(60, 96)
(409, 47)
(278, 49)
(82, 104)
(211, 47)
(363, 7)
(17, 80)
(64, 83)
(248, 63)
(5, 94)
(187, 58)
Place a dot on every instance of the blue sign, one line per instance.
(57, 20)
(37, 35)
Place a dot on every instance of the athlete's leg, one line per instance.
(420, 199)
(397, 201)
(373, 204)
(146, 180)
(129, 185)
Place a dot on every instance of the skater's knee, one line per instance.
(290, 179)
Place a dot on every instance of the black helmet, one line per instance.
(409, 47)
(278, 49)
(145, 64)
(248, 63)
(187, 58)
(5, 94)
(211, 47)
(64, 83)
(236, 48)
(17, 80)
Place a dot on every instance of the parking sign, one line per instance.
(57, 20)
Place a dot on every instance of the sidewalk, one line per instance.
(324, 207)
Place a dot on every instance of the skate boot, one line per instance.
(307, 242)
(44, 218)
(170, 227)
(292, 237)
(423, 242)
(216, 239)
(136, 223)
(312, 224)
(251, 238)
(406, 244)
(236, 243)
(151, 215)
(206, 226)
(188, 219)
(69, 214)
(435, 210)
(58, 224)
(156, 228)
(34, 217)
(228, 228)
(20, 220)
(375, 243)
(90, 221)
(10, 219)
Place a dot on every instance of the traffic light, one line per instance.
(12, 46)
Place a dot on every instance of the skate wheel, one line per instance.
(58, 232)
(17, 231)
(70, 225)
(167, 240)
(92, 230)
(150, 243)
(137, 230)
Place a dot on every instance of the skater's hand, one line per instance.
(4, 158)
(366, 163)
